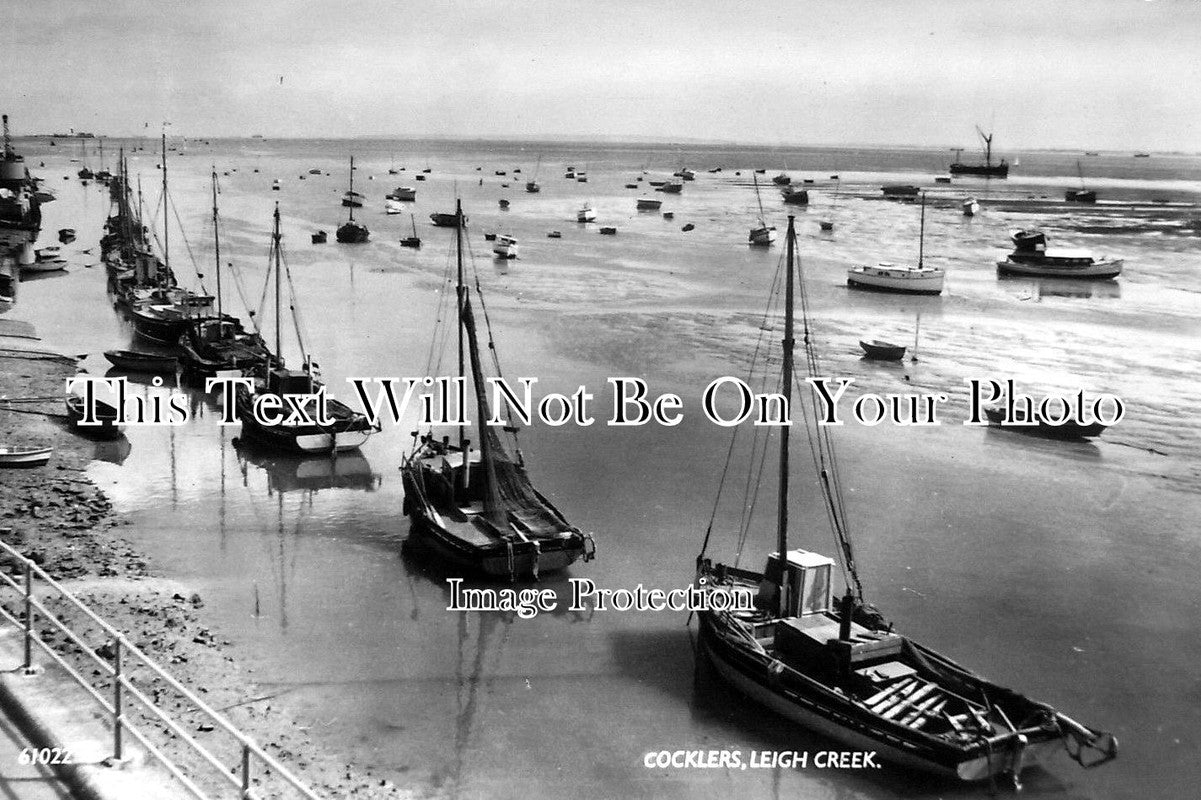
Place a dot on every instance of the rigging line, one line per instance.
(294, 307)
(445, 290)
(187, 245)
(266, 285)
(758, 484)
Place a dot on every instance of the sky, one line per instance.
(1093, 74)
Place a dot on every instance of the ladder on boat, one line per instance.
(915, 702)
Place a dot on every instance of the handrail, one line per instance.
(125, 652)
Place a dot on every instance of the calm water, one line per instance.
(1064, 570)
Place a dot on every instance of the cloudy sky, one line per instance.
(1119, 74)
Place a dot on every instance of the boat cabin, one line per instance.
(285, 381)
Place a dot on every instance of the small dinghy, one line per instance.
(878, 350)
(24, 456)
(105, 425)
(1068, 429)
(141, 362)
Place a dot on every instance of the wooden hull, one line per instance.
(106, 426)
(22, 457)
(141, 362)
(352, 233)
(1070, 429)
(983, 170)
(1104, 269)
(883, 351)
(896, 281)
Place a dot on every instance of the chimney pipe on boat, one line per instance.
(846, 608)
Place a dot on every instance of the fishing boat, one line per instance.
(889, 277)
(446, 220)
(103, 425)
(1035, 425)
(834, 665)
(472, 504)
(505, 246)
(11, 456)
(133, 361)
(970, 207)
(1083, 194)
(586, 214)
(648, 204)
(878, 350)
(220, 345)
(351, 232)
(1032, 258)
(413, 241)
(988, 169)
(763, 234)
(324, 427)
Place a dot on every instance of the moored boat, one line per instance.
(403, 194)
(351, 232)
(1035, 425)
(586, 213)
(970, 207)
(988, 169)
(505, 246)
(835, 666)
(133, 361)
(1032, 258)
(16, 456)
(442, 220)
(878, 350)
(101, 424)
(900, 279)
(762, 235)
(648, 204)
(796, 197)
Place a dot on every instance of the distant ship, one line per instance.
(987, 169)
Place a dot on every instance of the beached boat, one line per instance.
(608, 231)
(904, 191)
(1069, 428)
(586, 213)
(46, 259)
(413, 241)
(472, 504)
(1083, 194)
(878, 350)
(351, 232)
(133, 361)
(762, 235)
(446, 220)
(103, 425)
(796, 197)
(13, 456)
(669, 187)
(66, 235)
(988, 169)
(835, 666)
(1032, 258)
(319, 237)
(341, 428)
(970, 207)
(403, 194)
(505, 246)
(889, 277)
(648, 204)
(782, 179)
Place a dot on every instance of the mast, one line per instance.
(8, 148)
(788, 342)
(166, 212)
(921, 237)
(460, 299)
(759, 200)
(987, 146)
(351, 198)
(275, 237)
(216, 244)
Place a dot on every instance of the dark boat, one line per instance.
(344, 428)
(1068, 429)
(608, 231)
(877, 350)
(987, 169)
(1080, 196)
(413, 241)
(781, 180)
(103, 426)
(141, 362)
(472, 503)
(320, 237)
(796, 197)
(903, 190)
(351, 232)
(447, 220)
(1033, 259)
(837, 667)
(66, 235)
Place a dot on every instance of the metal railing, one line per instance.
(124, 657)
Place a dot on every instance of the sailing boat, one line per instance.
(828, 223)
(987, 169)
(85, 173)
(333, 427)
(413, 241)
(102, 174)
(889, 277)
(1081, 195)
(764, 234)
(351, 232)
(532, 186)
(836, 667)
(474, 506)
(220, 345)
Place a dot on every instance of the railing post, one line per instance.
(28, 614)
(117, 716)
(245, 772)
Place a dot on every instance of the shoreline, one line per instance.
(61, 520)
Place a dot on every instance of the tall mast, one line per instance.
(166, 211)
(8, 148)
(758, 198)
(460, 300)
(275, 237)
(216, 243)
(789, 342)
(351, 198)
(921, 237)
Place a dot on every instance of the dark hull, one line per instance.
(1069, 430)
(985, 170)
(351, 233)
(141, 362)
(881, 351)
(154, 328)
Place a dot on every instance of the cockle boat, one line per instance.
(988, 169)
(837, 667)
(472, 504)
(341, 429)
(898, 279)
(1032, 258)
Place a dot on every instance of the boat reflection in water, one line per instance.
(290, 473)
(1038, 288)
(114, 451)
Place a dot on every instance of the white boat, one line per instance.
(586, 214)
(764, 234)
(404, 194)
(898, 279)
(505, 246)
(24, 456)
(1031, 258)
(392, 206)
(971, 207)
